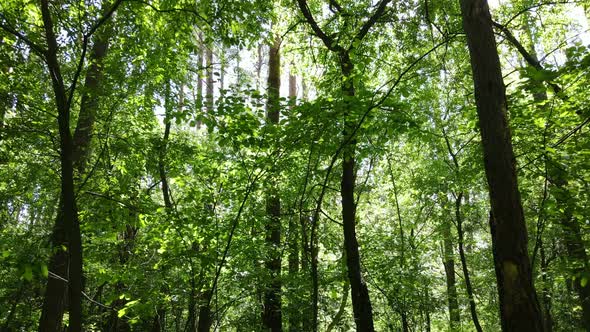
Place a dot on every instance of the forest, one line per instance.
(294, 165)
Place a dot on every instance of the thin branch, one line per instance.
(529, 58)
(174, 10)
(372, 20)
(40, 51)
(85, 40)
(327, 40)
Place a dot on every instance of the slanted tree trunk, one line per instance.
(519, 307)
(449, 264)
(272, 314)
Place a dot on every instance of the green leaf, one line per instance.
(28, 274)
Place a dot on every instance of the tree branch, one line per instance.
(372, 20)
(34, 47)
(327, 40)
(529, 58)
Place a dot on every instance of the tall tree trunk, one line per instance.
(54, 302)
(209, 93)
(449, 264)
(361, 303)
(519, 306)
(293, 241)
(468, 286)
(68, 265)
(272, 315)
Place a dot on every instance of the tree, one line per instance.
(519, 307)
(272, 315)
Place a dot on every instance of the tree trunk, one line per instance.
(199, 97)
(468, 286)
(205, 316)
(293, 242)
(519, 306)
(67, 229)
(361, 303)
(209, 93)
(272, 315)
(546, 294)
(449, 264)
(89, 103)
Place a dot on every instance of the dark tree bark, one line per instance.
(205, 315)
(519, 306)
(361, 302)
(449, 264)
(272, 314)
(66, 266)
(68, 228)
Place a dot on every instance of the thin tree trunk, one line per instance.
(199, 97)
(293, 243)
(577, 256)
(209, 93)
(572, 236)
(468, 286)
(272, 314)
(449, 264)
(546, 294)
(519, 306)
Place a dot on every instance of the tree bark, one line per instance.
(449, 264)
(272, 314)
(89, 103)
(519, 307)
(66, 230)
(361, 303)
